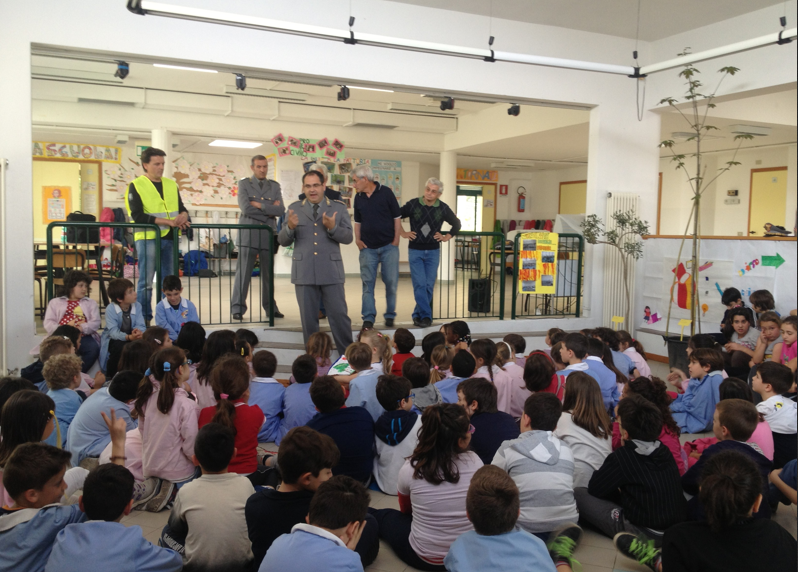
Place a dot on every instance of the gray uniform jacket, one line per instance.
(317, 251)
(249, 190)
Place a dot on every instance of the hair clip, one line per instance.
(157, 341)
(52, 413)
(167, 366)
(147, 373)
(242, 351)
(436, 368)
(224, 395)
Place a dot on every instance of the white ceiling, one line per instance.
(658, 19)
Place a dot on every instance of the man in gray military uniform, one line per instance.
(261, 202)
(317, 226)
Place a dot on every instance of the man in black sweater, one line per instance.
(427, 216)
(638, 488)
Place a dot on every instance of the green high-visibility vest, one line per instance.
(155, 205)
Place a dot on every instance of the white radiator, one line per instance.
(614, 291)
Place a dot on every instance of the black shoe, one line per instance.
(389, 322)
(563, 542)
(426, 322)
(638, 549)
(238, 316)
(278, 314)
(367, 325)
(418, 323)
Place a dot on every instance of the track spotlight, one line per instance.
(514, 110)
(447, 104)
(241, 81)
(122, 69)
(343, 93)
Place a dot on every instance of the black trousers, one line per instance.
(395, 530)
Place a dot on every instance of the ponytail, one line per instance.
(504, 354)
(164, 366)
(485, 350)
(434, 458)
(382, 344)
(625, 337)
(229, 380)
(730, 484)
(440, 360)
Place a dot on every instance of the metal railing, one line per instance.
(471, 277)
(83, 247)
(567, 299)
(210, 264)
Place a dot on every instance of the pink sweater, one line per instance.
(168, 439)
(57, 308)
(518, 391)
(670, 440)
(640, 363)
(504, 386)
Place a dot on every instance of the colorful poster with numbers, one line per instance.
(537, 262)
(56, 203)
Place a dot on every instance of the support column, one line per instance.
(162, 139)
(448, 176)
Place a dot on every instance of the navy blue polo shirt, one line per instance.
(376, 215)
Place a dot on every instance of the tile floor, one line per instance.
(596, 553)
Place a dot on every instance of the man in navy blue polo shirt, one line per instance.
(377, 233)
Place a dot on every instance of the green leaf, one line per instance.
(746, 136)
(669, 101)
(711, 128)
(731, 70)
(669, 143)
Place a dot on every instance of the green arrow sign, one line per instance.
(773, 260)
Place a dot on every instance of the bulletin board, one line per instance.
(537, 259)
(745, 264)
(56, 203)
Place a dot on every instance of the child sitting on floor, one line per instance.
(771, 381)
(762, 301)
(440, 362)
(518, 394)
(230, 383)
(634, 350)
(491, 426)
(770, 344)
(463, 367)
(381, 353)
(742, 338)
(396, 430)
(493, 507)
(219, 344)
(363, 387)
(335, 522)
(124, 322)
(540, 375)
(351, 427)
(107, 498)
(320, 346)
(174, 310)
(680, 379)
(542, 466)
(298, 407)
(485, 353)
(518, 343)
(729, 539)
(417, 372)
(693, 409)
(62, 373)
(789, 351)
(638, 488)
(267, 393)
(207, 524)
(732, 298)
(403, 342)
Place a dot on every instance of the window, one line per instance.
(469, 207)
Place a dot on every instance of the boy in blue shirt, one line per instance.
(109, 544)
(607, 380)
(88, 433)
(124, 322)
(34, 478)
(463, 366)
(298, 407)
(62, 373)
(267, 393)
(363, 388)
(335, 523)
(492, 506)
(174, 310)
(693, 410)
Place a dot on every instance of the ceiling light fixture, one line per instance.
(447, 104)
(235, 144)
(171, 67)
(343, 93)
(370, 89)
(514, 110)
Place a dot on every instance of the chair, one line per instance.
(65, 260)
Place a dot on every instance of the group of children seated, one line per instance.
(495, 454)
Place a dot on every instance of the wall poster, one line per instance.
(56, 203)
(537, 262)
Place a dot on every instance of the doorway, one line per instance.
(469, 207)
(768, 199)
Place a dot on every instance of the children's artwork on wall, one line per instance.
(56, 203)
(537, 273)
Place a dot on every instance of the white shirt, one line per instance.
(589, 451)
(780, 413)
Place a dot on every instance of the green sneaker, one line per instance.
(562, 544)
(640, 549)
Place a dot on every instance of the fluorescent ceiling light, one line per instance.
(171, 67)
(236, 144)
(370, 88)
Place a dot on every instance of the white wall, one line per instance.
(543, 192)
(622, 151)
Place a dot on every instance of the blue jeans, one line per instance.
(89, 352)
(145, 250)
(423, 273)
(370, 258)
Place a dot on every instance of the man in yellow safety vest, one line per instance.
(153, 198)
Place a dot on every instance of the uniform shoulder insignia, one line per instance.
(304, 201)
(340, 202)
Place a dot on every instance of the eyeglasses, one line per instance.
(409, 397)
(471, 429)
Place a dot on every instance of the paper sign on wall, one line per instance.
(537, 262)
(56, 203)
